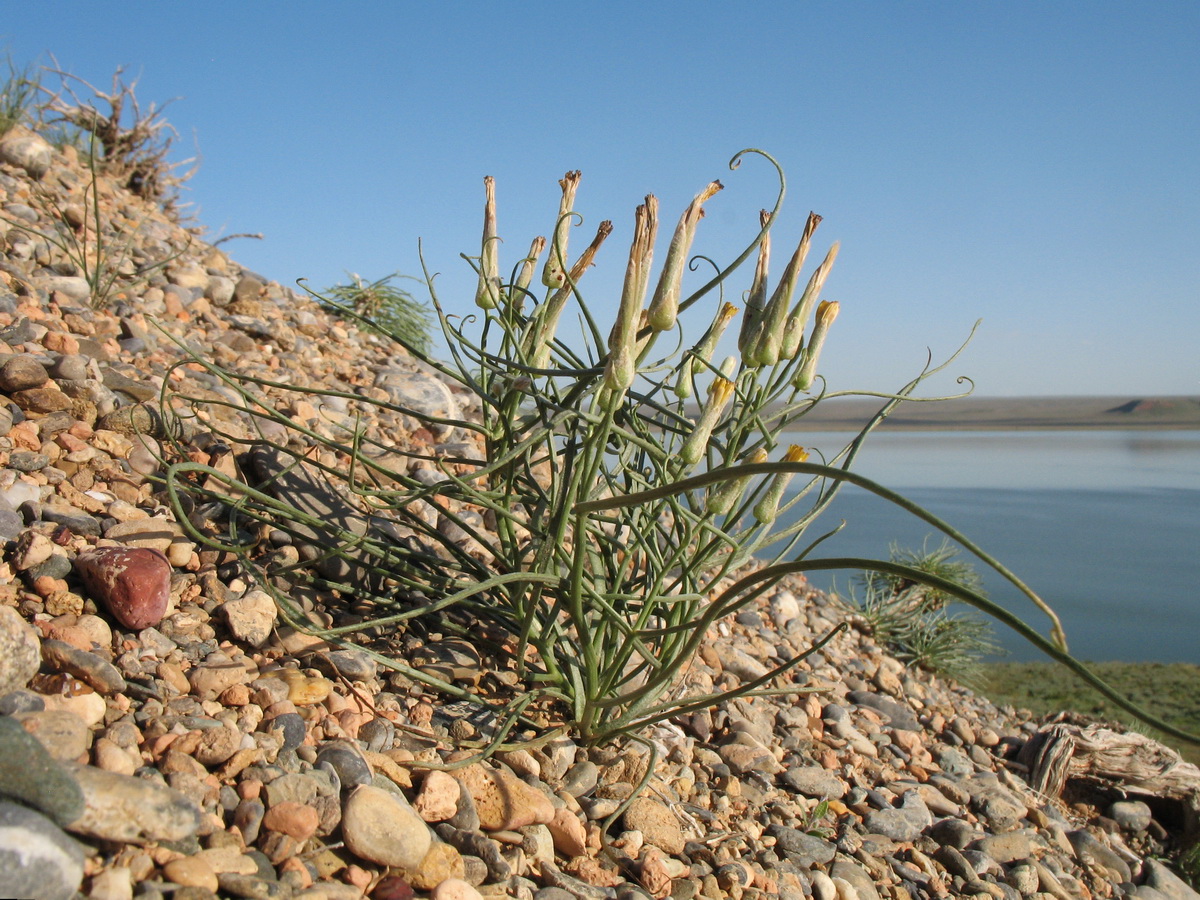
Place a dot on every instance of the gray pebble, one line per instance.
(815, 781)
(345, 759)
(37, 859)
(377, 734)
(800, 848)
(20, 655)
(953, 833)
(27, 461)
(901, 716)
(88, 667)
(21, 701)
(581, 779)
(1132, 815)
(56, 566)
(28, 773)
(1092, 852)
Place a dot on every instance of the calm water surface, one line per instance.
(1104, 525)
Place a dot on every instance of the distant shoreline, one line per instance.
(1010, 413)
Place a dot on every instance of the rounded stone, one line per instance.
(455, 889)
(297, 820)
(22, 373)
(191, 871)
(1132, 815)
(657, 823)
(442, 862)
(29, 773)
(381, 827)
(134, 584)
(37, 859)
(20, 651)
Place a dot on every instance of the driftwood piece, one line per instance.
(1127, 762)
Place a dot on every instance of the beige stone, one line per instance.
(191, 871)
(503, 801)
(438, 800)
(568, 832)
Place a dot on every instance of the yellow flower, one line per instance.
(766, 509)
(719, 394)
(826, 313)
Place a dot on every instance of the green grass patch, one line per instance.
(1171, 690)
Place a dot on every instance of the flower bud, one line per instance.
(767, 508)
(757, 298)
(812, 292)
(547, 316)
(703, 351)
(767, 350)
(719, 394)
(664, 308)
(622, 340)
(487, 295)
(826, 313)
(525, 276)
(553, 274)
(723, 497)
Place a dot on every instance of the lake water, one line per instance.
(1104, 525)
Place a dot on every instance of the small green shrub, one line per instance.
(592, 520)
(384, 308)
(910, 617)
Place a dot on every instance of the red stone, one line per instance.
(392, 887)
(132, 583)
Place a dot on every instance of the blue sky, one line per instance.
(1033, 165)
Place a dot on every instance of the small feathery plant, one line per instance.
(599, 512)
(912, 619)
(385, 308)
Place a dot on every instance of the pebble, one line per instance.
(903, 824)
(581, 779)
(84, 665)
(134, 584)
(22, 372)
(502, 801)
(814, 781)
(296, 820)
(31, 775)
(251, 617)
(1092, 853)
(1005, 848)
(381, 827)
(1131, 815)
(657, 823)
(455, 889)
(305, 690)
(805, 850)
(36, 858)
(64, 734)
(20, 651)
(438, 798)
(131, 810)
(191, 871)
(348, 762)
(441, 863)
